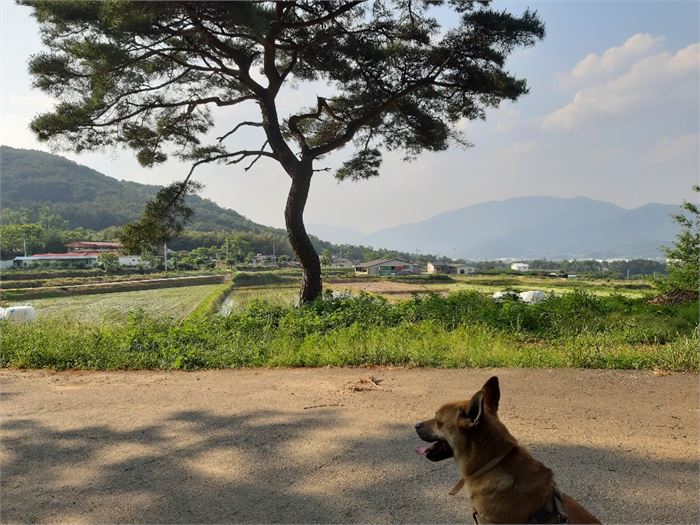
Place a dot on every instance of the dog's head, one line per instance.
(458, 427)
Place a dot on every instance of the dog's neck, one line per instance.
(500, 444)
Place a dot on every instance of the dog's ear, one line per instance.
(470, 415)
(492, 392)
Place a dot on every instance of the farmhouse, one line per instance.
(63, 260)
(457, 269)
(385, 267)
(439, 267)
(520, 267)
(93, 246)
(341, 262)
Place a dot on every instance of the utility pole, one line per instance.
(165, 256)
(24, 240)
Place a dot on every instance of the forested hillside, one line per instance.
(69, 201)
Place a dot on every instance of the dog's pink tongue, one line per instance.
(422, 450)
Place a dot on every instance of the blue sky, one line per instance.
(612, 114)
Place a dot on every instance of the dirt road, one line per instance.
(300, 446)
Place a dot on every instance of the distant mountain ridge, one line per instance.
(523, 227)
(528, 228)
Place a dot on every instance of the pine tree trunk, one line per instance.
(311, 286)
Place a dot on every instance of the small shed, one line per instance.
(131, 261)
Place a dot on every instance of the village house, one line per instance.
(63, 260)
(80, 254)
(449, 269)
(341, 262)
(520, 267)
(385, 267)
(464, 270)
(435, 267)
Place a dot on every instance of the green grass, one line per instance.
(240, 297)
(465, 329)
(166, 303)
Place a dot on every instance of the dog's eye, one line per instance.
(439, 424)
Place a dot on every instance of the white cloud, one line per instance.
(613, 59)
(670, 149)
(661, 80)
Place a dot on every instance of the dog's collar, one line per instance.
(458, 486)
(483, 470)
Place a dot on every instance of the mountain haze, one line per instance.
(531, 227)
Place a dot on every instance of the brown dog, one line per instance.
(505, 483)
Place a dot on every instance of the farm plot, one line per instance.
(392, 290)
(490, 284)
(286, 293)
(240, 297)
(173, 303)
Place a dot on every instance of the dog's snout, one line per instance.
(418, 424)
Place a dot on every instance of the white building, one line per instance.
(341, 262)
(130, 261)
(520, 267)
(451, 269)
(265, 260)
(439, 267)
(60, 260)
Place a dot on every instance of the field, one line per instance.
(414, 321)
(170, 303)
(284, 292)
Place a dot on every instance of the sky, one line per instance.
(612, 114)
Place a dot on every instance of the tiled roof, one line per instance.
(378, 262)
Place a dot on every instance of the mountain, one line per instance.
(534, 227)
(525, 227)
(32, 180)
(86, 198)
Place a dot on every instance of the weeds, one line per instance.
(464, 329)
